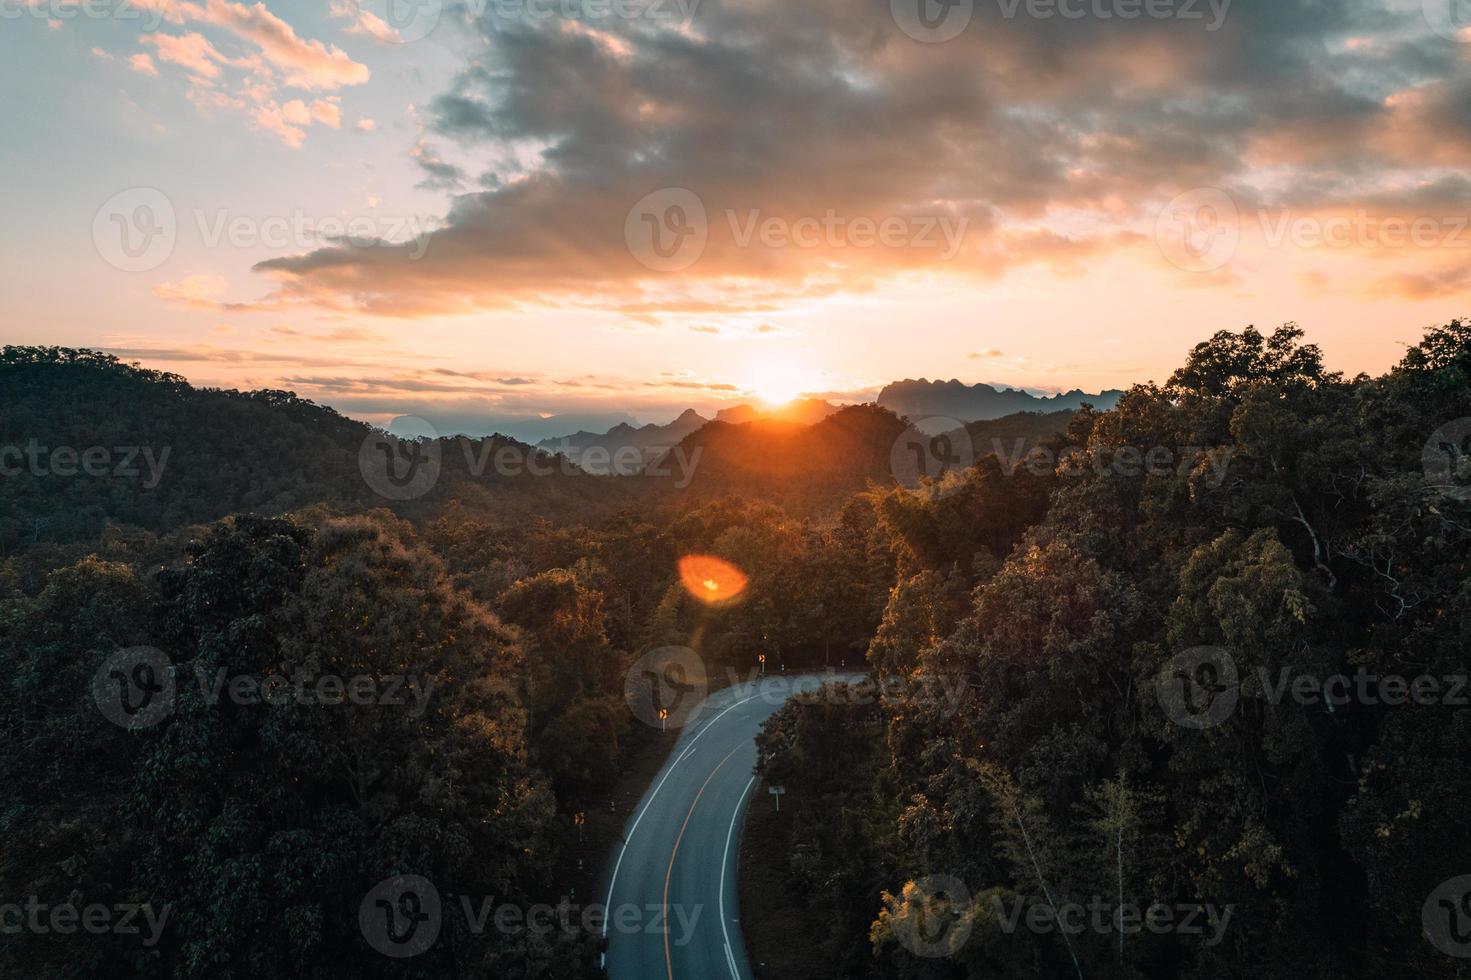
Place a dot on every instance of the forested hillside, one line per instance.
(93, 442)
(1056, 629)
(174, 455)
(500, 609)
(1159, 694)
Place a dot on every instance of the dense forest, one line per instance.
(1323, 530)
(1287, 520)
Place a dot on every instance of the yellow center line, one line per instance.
(668, 957)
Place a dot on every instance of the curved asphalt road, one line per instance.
(673, 884)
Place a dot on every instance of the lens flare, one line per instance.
(714, 581)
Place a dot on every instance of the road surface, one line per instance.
(673, 883)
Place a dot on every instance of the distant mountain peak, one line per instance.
(806, 411)
(980, 402)
(613, 446)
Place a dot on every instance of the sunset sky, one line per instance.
(1069, 196)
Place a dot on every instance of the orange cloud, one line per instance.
(308, 64)
(280, 59)
(190, 51)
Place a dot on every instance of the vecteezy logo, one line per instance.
(407, 20)
(931, 447)
(403, 463)
(401, 916)
(665, 687)
(932, 21)
(135, 229)
(1199, 688)
(667, 230)
(134, 687)
(1200, 230)
(934, 922)
(1447, 460)
(1451, 19)
(1446, 917)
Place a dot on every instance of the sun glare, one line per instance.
(712, 580)
(778, 382)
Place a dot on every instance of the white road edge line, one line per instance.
(612, 882)
(725, 863)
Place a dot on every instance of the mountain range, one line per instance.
(980, 402)
(614, 450)
(270, 452)
(933, 405)
(523, 428)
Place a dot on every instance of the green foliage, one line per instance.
(262, 822)
(1296, 529)
(176, 456)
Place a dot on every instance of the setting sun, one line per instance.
(779, 382)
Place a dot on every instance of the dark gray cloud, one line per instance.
(793, 110)
(438, 175)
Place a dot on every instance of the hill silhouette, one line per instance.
(815, 467)
(110, 442)
(972, 403)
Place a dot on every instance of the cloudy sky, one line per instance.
(507, 208)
